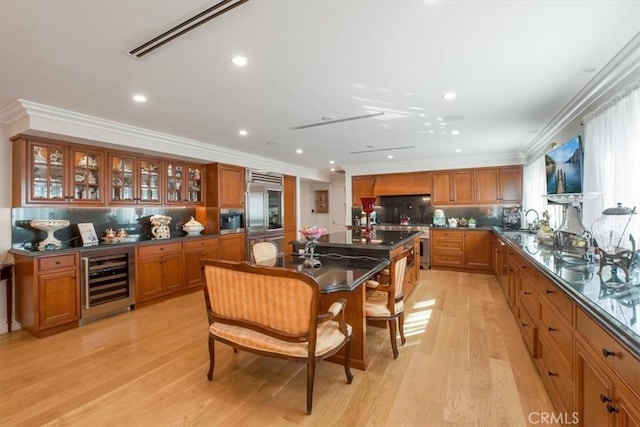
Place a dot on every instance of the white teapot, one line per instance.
(453, 222)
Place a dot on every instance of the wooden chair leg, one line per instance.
(347, 361)
(212, 357)
(401, 326)
(392, 333)
(311, 373)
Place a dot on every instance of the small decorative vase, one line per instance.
(312, 234)
(160, 226)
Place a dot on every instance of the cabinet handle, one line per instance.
(552, 374)
(527, 293)
(604, 398)
(607, 353)
(525, 324)
(549, 292)
(551, 329)
(611, 409)
(57, 262)
(162, 249)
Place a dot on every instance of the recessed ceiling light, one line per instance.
(328, 118)
(243, 132)
(449, 95)
(139, 98)
(332, 162)
(452, 118)
(458, 150)
(390, 156)
(239, 60)
(416, 108)
(332, 169)
(370, 146)
(455, 132)
(431, 131)
(299, 151)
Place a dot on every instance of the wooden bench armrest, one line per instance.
(336, 311)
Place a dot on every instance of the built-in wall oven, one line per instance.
(108, 282)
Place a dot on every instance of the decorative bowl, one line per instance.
(312, 233)
(193, 227)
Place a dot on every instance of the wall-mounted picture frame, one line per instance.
(322, 201)
(88, 234)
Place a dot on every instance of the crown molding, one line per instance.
(620, 67)
(12, 113)
(45, 120)
(455, 162)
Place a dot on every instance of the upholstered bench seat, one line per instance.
(328, 337)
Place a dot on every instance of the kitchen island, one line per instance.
(385, 244)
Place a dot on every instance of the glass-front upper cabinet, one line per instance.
(195, 176)
(175, 182)
(87, 175)
(149, 181)
(48, 174)
(122, 179)
(183, 183)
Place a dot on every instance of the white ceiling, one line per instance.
(513, 64)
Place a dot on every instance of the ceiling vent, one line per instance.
(382, 149)
(186, 26)
(332, 121)
(261, 177)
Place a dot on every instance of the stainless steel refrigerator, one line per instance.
(264, 209)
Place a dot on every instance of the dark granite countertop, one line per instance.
(17, 250)
(616, 306)
(352, 239)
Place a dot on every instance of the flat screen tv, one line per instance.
(563, 166)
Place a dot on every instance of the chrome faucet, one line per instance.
(536, 222)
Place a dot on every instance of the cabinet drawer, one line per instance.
(447, 245)
(528, 329)
(444, 234)
(55, 262)
(555, 376)
(556, 331)
(556, 297)
(527, 295)
(447, 259)
(622, 361)
(201, 244)
(159, 249)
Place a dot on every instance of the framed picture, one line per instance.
(322, 201)
(88, 234)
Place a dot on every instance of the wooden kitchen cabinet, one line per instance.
(477, 249)
(194, 252)
(498, 185)
(225, 186)
(159, 270)
(290, 220)
(456, 187)
(461, 249)
(232, 247)
(135, 180)
(183, 183)
(51, 172)
(361, 186)
(396, 184)
(602, 397)
(48, 295)
(447, 248)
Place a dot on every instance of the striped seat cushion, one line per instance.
(376, 305)
(328, 337)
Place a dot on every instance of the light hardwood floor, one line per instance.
(464, 364)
